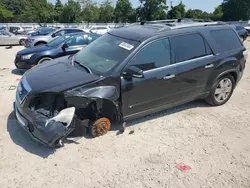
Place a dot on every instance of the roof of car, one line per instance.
(143, 32)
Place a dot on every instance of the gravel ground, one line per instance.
(212, 141)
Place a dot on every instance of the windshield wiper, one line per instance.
(85, 67)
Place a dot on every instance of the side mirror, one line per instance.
(53, 35)
(64, 46)
(133, 71)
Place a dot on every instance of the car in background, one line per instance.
(98, 29)
(9, 39)
(62, 46)
(241, 31)
(42, 31)
(17, 30)
(27, 29)
(42, 40)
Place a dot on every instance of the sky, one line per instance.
(205, 5)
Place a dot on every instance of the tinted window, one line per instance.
(154, 55)
(60, 33)
(188, 47)
(226, 39)
(58, 41)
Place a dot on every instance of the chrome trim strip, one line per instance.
(180, 63)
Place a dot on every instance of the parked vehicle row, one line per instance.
(44, 39)
(126, 74)
(65, 45)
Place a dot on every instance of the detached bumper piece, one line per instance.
(48, 131)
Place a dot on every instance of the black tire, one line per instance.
(59, 143)
(43, 60)
(211, 99)
(22, 42)
(40, 44)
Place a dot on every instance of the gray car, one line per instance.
(7, 38)
(42, 40)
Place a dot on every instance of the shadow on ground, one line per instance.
(18, 72)
(21, 138)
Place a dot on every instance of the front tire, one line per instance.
(222, 91)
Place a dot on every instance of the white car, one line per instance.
(98, 29)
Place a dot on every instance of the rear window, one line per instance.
(187, 47)
(226, 39)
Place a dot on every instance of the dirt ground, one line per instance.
(213, 141)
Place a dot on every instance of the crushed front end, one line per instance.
(51, 116)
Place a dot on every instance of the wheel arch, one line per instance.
(40, 42)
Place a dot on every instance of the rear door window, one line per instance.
(187, 47)
(152, 56)
(226, 39)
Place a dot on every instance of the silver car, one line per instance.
(42, 40)
(8, 39)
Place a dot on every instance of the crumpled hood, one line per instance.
(57, 75)
(34, 50)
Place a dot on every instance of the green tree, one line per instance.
(71, 12)
(90, 11)
(58, 11)
(5, 15)
(217, 14)
(177, 11)
(234, 10)
(37, 11)
(106, 11)
(123, 11)
(194, 13)
(152, 9)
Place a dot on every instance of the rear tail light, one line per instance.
(245, 53)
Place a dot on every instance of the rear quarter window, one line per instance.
(188, 47)
(227, 39)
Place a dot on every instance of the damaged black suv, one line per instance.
(129, 73)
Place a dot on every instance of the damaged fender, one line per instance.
(94, 103)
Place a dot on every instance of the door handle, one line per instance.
(209, 66)
(169, 77)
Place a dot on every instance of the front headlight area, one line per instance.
(26, 57)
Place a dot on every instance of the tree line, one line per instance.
(76, 11)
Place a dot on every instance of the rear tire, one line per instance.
(221, 91)
(44, 60)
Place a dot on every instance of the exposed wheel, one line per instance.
(22, 42)
(44, 60)
(100, 127)
(221, 91)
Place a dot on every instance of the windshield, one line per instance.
(105, 53)
(57, 41)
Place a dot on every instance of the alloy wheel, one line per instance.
(223, 90)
